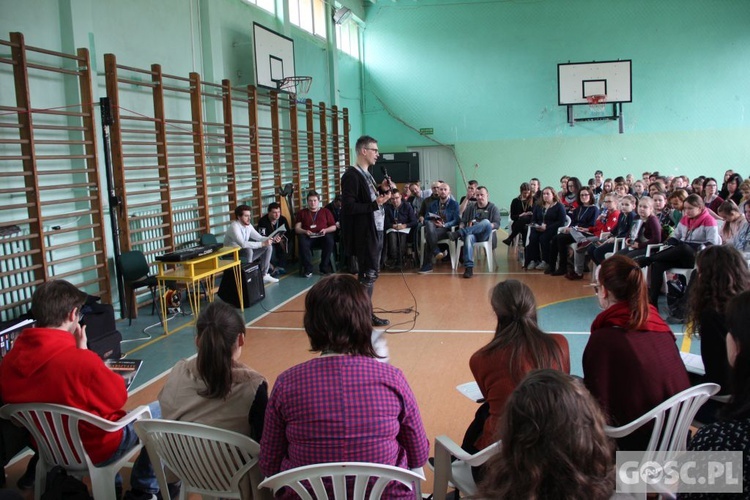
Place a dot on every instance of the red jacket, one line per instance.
(606, 222)
(45, 366)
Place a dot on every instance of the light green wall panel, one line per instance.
(484, 76)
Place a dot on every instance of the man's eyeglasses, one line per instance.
(372, 149)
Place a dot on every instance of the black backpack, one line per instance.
(677, 299)
(61, 486)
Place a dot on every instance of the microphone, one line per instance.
(384, 171)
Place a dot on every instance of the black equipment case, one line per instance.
(253, 290)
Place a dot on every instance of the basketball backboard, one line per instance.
(577, 81)
(274, 57)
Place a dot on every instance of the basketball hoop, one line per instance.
(597, 102)
(295, 85)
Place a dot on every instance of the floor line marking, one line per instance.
(273, 309)
(300, 329)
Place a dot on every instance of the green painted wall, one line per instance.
(484, 76)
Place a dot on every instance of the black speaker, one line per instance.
(253, 290)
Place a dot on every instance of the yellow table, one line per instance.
(192, 272)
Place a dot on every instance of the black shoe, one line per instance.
(559, 272)
(468, 272)
(550, 270)
(508, 241)
(379, 321)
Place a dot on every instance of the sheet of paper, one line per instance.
(471, 391)
(693, 363)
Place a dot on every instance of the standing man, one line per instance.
(363, 215)
(314, 228)
(267, 225)
(254, 246)
(478, 222)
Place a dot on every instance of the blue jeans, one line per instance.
(142, 477)
(479, 232)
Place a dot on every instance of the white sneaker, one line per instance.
(532, 265)
(267, 278)
(542, 266)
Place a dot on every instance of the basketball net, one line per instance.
(295, 85)
(597, 102)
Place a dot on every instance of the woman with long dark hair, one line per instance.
(216, 388)
(733, 188)
(584, 216)
(631, 362)
(519, 346)
(570, 199)
(344, 405)
(731, 432)
(721, 274)
(553, 444)
(520, 212)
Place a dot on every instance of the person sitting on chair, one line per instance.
(267, 225)
(400, 219)
(441, 216)
(51, 363)
(479, 220)
(254, 246)
(315, 227)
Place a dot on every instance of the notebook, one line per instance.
(126, 368)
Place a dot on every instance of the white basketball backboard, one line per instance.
(576, 81)
(274, 57)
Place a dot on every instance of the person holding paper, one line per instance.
(399, 221)
(268, 224)
(255, 246)
(315, 227)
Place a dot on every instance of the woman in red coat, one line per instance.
(631, 363)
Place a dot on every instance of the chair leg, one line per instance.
(153, 303)
(129, 303)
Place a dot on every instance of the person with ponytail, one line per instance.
(518, 347)
(731, 431)
(215, 388)
(631, 362)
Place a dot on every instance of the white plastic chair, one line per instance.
(447, 241)
(485, 245)
(336, 474)
(48, 422)
(207, 460)
(458, 472)
(671, 419)
(687, 272)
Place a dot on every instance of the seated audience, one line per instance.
(607, 187)
(710, 198)
(664, 214)
(440, 217)
(733, 219)
(598, 251)
(646, 232)
(400, 220)
(676, 200)
(723, 192)
(548, 217)
(215, 388)
(517, 348)
(479, 220)
(697, 185)
(631, 362)
(733, 192)
(471, 190)
(731, 432)
(696, 230)
(721, 274)
(745, 190)
(314, 228)
(741, 240)
(639, 189)
(553, 444)
(584, 216)
(345, 405)
(570, 198)
(267, 225)
(254, 246)
(51, 363)
(520, 213)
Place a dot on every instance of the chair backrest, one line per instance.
(208, 460)
(133, 265)
(672, 420)
(47, 423)
(335, 474)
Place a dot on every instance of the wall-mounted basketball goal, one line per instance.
(596, 85)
